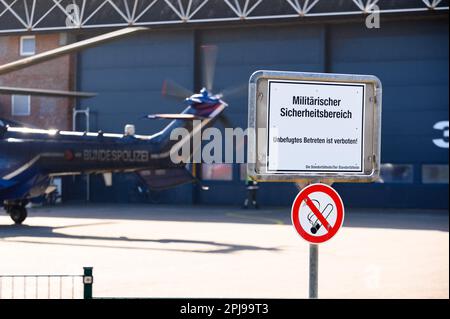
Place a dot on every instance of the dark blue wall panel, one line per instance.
(240, 53)
(129, 75)
(410, 57)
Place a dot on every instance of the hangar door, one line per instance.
(129, 75)
(410, 58)
(242, 51)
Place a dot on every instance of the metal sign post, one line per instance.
(317, 215)
(313, 262)
(313, 271)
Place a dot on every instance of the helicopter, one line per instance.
(31, 157)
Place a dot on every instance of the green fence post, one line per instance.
(88, 280)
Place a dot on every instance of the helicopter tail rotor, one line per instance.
(204, 101)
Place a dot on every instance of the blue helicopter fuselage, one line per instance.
(30, 157)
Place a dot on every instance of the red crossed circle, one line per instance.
(304, 196)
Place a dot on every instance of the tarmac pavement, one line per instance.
(175, 251)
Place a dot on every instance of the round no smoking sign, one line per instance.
(317, 213)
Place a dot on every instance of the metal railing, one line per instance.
(47, 286)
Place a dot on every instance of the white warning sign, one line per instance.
(315, 127)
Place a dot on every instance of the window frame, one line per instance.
(13, 113)
(27, 37)
(410, 180)
(214, 179)
(427, 179)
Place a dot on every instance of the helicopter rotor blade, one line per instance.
(236, 91)
(42, 92)
(209, 59)
(74, 47)
(172, 89)
(173, 117)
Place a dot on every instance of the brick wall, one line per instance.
(58, 74)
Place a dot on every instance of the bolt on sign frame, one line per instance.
(259, 123)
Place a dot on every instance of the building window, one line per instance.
(217, 172)
(435, 174)
(27, 45)
(397, 173)
(20, 105)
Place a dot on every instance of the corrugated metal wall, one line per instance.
(129, 75)
(410, 57)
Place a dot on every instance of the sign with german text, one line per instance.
(315, 127)
(308, 127)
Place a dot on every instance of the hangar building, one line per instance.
(409, 52)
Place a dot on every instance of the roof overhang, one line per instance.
(71, 15)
